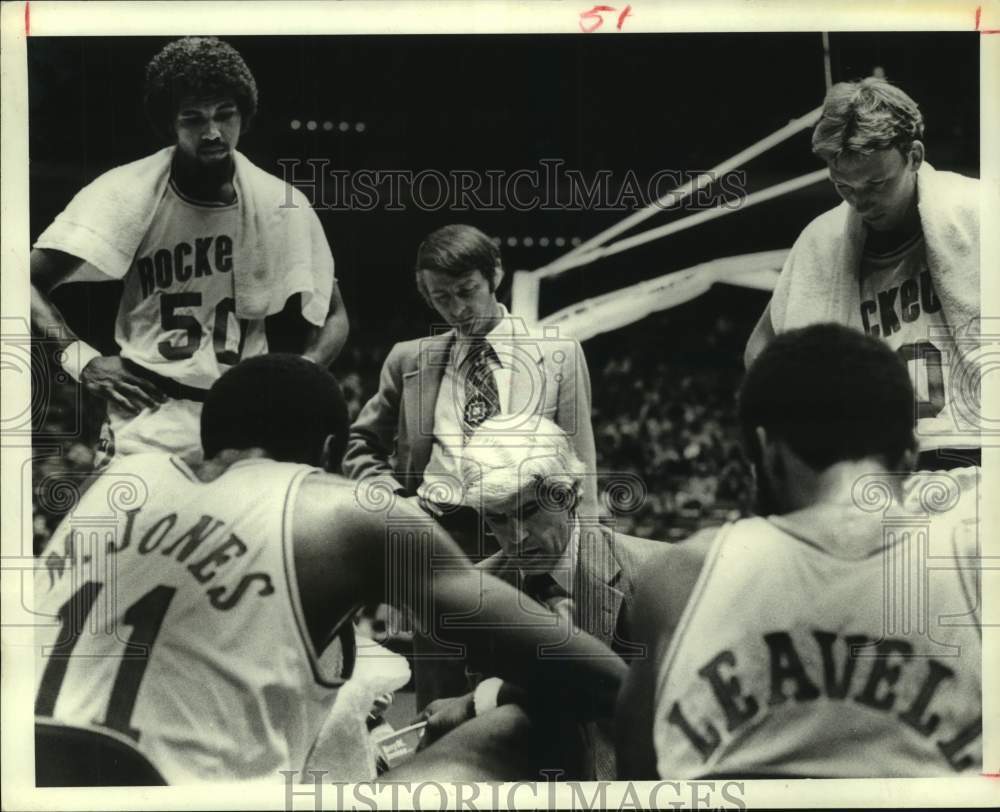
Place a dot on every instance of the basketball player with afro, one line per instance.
(207, 246)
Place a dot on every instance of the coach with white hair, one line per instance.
(528, 486)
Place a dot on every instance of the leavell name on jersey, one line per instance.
(797, 656)
(839, 678)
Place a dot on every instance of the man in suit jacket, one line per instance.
(434, 391)
(528, 489)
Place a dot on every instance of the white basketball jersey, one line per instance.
(794, 660)
(898, 304)
(177, 311)
(176, 620)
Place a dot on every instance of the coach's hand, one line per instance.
(443, 715)
(107, 378)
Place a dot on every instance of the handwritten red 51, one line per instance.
(595, 18)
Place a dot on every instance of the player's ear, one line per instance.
(770, 457)
(916, 155)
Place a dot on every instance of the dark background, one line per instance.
(663, 388)
(640, 102)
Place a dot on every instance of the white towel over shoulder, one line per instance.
(819, 281)
(282, 249)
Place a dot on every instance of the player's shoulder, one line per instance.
(958, 189)
(123, 184)
(690, 554)
(676, 563)
(823, 227)
(960, 194)
(131, 170)
(632, 552)
(326, 501)
(323, 489)
(146, 462)
(268, 186)
(349, 519)
(292, 193)
(129, 482)
(666, 581)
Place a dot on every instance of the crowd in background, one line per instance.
(667, 416)
(664, 415)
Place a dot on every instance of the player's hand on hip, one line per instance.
(107, 378)
(443, 715)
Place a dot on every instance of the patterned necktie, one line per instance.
(482, 399)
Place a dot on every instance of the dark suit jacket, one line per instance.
(608, 565)
(393, 435)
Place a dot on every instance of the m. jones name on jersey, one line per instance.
(162, 539)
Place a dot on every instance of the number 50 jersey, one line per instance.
(177, 312)
(175, 620)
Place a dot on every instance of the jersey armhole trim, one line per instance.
(683, 623)
(184, 468)
(288, 556)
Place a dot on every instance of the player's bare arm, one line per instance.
(324, 344)
(104, 376)
(445, 714)
(48, 269)
(342, 556)
(661, 594)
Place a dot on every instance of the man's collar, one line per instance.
(504, 327)
(564, 572)
(501, 334)
(507, 340)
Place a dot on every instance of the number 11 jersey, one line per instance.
(169, 612)
(177, 312)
